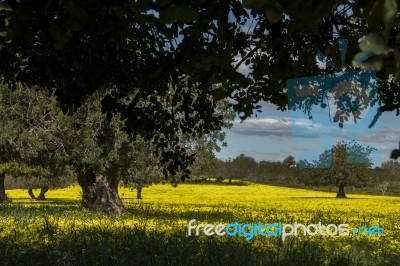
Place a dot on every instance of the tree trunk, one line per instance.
(341, 193)
(99, 193)
(139, 192)
(30, 192)
(43, 191)
(3, 196)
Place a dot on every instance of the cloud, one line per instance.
(384, 135)
(281, 127)
(243, 69)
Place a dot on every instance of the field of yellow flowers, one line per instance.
(154, 231)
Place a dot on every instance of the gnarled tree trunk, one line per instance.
(99, 192)
(42, 193)
(139, 192)
(30, 192)
(3, 196)
(341, 193)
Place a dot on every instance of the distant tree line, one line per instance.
(346, 164)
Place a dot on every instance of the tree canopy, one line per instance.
(168, 55)
(346, 163)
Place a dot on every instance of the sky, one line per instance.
(274, 135)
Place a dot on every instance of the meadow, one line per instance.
(154, 231)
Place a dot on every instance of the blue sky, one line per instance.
(274, 135)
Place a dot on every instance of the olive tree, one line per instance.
(31, 139)
(141, 167)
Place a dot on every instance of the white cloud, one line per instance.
(281, 127)
(385, 135)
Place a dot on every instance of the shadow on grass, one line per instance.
(27, 201)
(206, 215)
(352, 198)
(137, 246)
(217, 183)
(58, 207)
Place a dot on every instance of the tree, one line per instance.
(144, 48)
(395, 153)
(141, 168)
(31, 142)
(347, 163)
(241, 167)
(204, 147)
(45, 183)
(64, 47)
(204, 164)
(289, 161)
(142, 44)
(383, 187)
(95, 148)
(388, 174)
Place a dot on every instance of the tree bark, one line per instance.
(43, 191)
(341, 193)
(30, 192)
(3, 196)
(139, 192)
(99, 193)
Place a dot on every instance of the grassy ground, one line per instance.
(154, 231)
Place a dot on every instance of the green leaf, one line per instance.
(162, 2)
(77, 16)
(273, 12)
(60, 37)
(374, 63)
(173, 13)
(146, 19)
(76, 12)
(390, 10)
(255, 4)
(397, 60)
(375, 43)
(308, 14)
(5, 7)
(120, 12)
(219, 93)
(142, 6)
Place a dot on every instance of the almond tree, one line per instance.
(346, 163)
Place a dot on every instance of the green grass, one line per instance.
(154, 230)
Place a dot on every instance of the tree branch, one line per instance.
(382, 109)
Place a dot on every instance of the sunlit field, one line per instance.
(154, 230)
